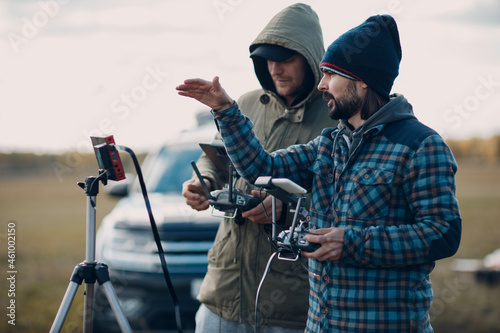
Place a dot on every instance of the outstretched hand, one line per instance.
(209, 93)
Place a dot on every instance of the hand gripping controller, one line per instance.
(291, 242)
(229, 199)
(303, 244)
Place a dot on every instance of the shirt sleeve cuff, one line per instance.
(353, 238)
(224, 113)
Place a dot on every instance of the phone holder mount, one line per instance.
(108, 159)
(289, 243)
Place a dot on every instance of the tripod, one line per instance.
(90, 271)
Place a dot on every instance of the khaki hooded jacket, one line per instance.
(237, 260)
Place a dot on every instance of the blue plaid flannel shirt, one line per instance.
(397, 201)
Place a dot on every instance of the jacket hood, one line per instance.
(398, 108)
(297, 28)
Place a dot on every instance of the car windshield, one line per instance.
(171, 168)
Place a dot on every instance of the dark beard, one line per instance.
(345, 106)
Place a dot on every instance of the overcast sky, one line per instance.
(71, 69)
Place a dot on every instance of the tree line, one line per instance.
(479, 150)
(50, 164)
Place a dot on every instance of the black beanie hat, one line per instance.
(370, 52)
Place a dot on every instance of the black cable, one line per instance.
(277, 250)
(156, 237)
(265, 211)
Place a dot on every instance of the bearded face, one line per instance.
(346, 105)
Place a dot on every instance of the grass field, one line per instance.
(49, 216)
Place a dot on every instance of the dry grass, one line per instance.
(461, 304)
(50, 217)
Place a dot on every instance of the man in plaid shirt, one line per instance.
(382, 184)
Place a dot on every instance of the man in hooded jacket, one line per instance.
(287, 110)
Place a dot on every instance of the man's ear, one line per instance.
(361, 84)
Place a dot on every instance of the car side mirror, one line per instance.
(119, 189)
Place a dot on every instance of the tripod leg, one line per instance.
(102, 276)
(115, 306)
(62, 313)
(88, 308)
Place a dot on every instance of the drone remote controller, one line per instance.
(303, 244)
(284, 240)
(221, 201)
(292, 241)
(229, 199)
